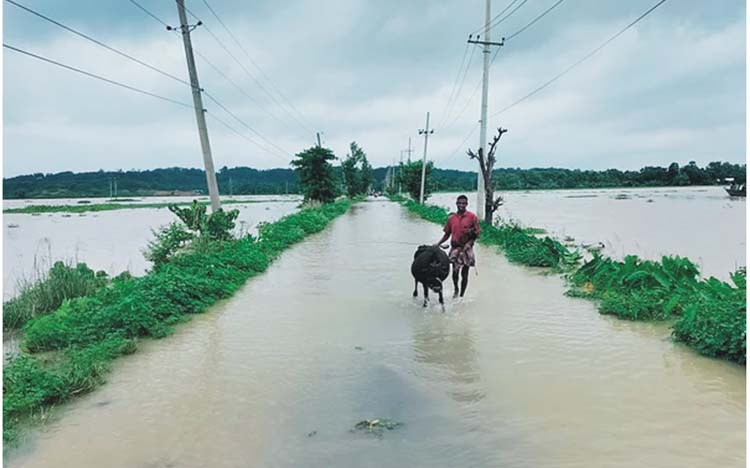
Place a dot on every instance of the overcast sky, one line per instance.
(672, 88)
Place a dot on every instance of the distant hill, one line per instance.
(246, 180)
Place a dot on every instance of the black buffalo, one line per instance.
(430, 267)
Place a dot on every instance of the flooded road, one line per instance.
(514, 375)
(701, 223)
(112, 241)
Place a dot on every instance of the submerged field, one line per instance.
(515, 374)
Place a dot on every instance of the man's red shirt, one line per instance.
(459, 226)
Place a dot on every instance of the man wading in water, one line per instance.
(463, 229)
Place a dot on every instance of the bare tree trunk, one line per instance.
(491, 204)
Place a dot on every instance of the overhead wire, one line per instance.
(99, 43)
(242, 135)
(223, 107)
(481, 28)
(451, 104)
(149, 13)
(586, 57)
(237, 61)
(534, 21)
(98, 77)
(455, 81)
(247, 54)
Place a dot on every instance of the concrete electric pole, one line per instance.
(485, 85)
(426, 132)
(200, 116)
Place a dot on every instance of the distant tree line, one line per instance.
(245, 180)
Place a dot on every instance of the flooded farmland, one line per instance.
(701, 223)
(515, 374)
(112, 241)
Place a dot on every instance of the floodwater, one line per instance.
(514, 375)
(112, 241)
(701, 223)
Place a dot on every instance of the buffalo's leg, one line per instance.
(440, 296)
(424, 285)
(415, 288)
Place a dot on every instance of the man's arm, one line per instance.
(442, 239)
(446, 235)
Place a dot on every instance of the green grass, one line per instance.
(87, 333)
(706, 314)
(47, 294)
(83, 208)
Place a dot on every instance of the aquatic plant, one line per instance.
(61, 282)
(86, 333)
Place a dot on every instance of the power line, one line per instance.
(455, 82)
(451, 104)
(218, 70)
(99, 43)
(92, 75)
(244, 68)
(213, 116)
(481, 28)
(248, 72)
(474, 93)
(244, 124)
(586, 57)
(236, 41)
(149, 13)
(534, 20)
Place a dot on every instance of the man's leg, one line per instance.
(464, 279)
(454, 268)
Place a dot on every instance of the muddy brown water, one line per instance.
(515, 374)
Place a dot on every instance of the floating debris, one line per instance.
(376, 426)
(359, 348)
(622, 196)
(13, 225)
(83, 202)
(650, 200)
(66, 215)
(311, 434)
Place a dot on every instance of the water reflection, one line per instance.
(446, 344)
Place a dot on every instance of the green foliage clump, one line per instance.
(215, 226)
(86, 333)
(315, 174)
(714, 321)
(356, 172)
(167, 242)
(410, 176)
(638, 289)
(61, 282)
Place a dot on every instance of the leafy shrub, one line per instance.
(168, 241)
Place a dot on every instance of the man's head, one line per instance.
(461, 203)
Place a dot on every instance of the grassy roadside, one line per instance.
(706, 314)
(68, 352)
(83, 208)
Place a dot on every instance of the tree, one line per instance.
(410, 177)
(365, 176)
(485, 165)
(350, 173)
(315, 174)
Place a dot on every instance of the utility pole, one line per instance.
(200, 116)
(318, 135)
(400, 168)
(115, 187)
(426, 132)
(409, 151)
(485, 84)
